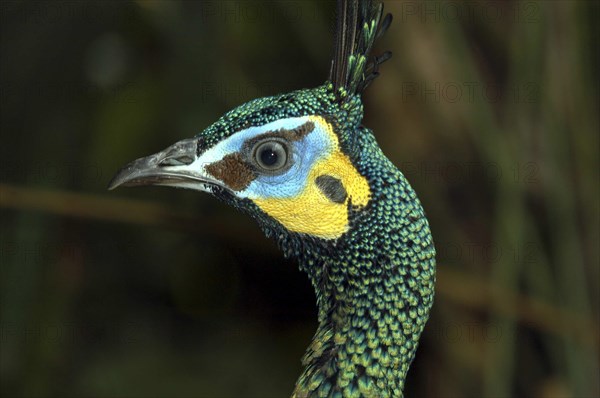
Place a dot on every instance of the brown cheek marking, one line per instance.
(233, 171)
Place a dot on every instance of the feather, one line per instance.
(358, 24)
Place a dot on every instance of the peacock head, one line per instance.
(288, 160)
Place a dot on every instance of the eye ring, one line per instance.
(271, 156)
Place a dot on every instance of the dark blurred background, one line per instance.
(489, 108)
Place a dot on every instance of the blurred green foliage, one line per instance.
(490, 109)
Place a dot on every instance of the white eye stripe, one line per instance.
(236, 142)
(315, 142)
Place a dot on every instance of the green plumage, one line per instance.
(374, 290)
(374, 284)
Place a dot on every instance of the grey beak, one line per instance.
(175, 166)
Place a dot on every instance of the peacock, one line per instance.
(315, 179)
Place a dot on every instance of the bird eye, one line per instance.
(270, 155)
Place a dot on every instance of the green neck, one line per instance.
(374, 292)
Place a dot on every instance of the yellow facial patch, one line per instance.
(312, 212)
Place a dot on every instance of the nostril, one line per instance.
(176, 161)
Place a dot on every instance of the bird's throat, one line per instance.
(374, 293)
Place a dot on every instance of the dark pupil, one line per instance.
(268, 157)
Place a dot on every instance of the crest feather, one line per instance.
(359, 24)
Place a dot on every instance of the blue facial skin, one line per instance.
(304, 153)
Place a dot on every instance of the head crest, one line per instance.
(359, 24)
